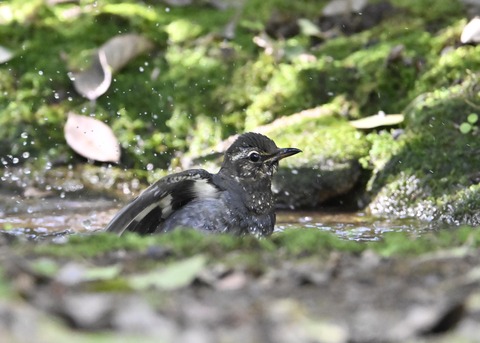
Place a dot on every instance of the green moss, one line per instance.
(306, 242)
(198, 88)
(182, 242)
(383, 147)
(324, 138)
(433, 11)
(261, 10)
(433, 160)
(434, 143)
(292, 243)
(182, 30)
(449, 68)
(399, 244)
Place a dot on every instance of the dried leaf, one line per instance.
(471, 32)
(176, 275)
(122, 49)
(96, 80)
(109, 58)
(74, 273)
(5, 54)
(377, 120)
(91, 138)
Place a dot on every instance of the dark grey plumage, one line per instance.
(238, 199)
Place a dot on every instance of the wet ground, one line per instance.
(228, 293)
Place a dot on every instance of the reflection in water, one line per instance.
(353, 225)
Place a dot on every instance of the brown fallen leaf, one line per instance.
(94, 81)
(109, 58)
(121, 49)
(91, 138)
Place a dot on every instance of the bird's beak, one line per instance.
(282, 153)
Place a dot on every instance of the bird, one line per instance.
(237, 200)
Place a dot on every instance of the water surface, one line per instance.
(56, 217)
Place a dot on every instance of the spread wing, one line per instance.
(146, 213)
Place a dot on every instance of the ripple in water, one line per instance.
(353, 226)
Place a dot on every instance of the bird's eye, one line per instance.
(254, 156)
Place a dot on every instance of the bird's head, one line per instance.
(254, 156)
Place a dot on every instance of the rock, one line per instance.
(308, 187)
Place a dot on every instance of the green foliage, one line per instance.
(433, 11)
(175, 275)
(468, 126)
(448, 68)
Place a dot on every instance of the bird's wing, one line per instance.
(148, 211)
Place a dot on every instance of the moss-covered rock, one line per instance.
(328, 166)
(432, 172)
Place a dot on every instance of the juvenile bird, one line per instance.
(238, 199)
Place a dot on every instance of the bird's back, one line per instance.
(192, 199)
(148, 212)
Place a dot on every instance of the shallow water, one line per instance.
(356, 226)
(54, 218)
